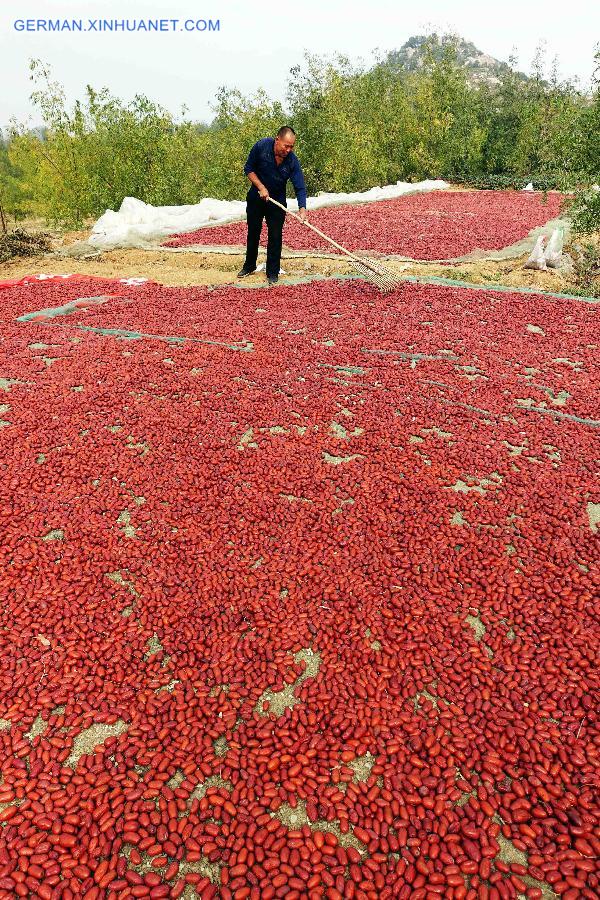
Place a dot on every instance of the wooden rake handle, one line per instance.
(317, 230)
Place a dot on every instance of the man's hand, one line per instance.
(263, 193)
(303, 216)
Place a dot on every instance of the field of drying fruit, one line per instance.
(299, 591)
(434, 225)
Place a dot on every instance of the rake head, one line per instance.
(378, 274)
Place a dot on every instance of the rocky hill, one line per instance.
(480, 67)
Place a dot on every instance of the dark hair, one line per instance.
(285, 129)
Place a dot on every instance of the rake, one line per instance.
(371, 269)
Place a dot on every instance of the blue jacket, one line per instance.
(261, 160)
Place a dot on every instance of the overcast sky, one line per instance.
(257, 44)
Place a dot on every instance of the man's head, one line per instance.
(285, 140)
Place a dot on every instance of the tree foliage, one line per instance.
(14, 201)
(357, 126)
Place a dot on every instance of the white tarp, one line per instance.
(139, 223)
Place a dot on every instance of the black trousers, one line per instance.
(256, 211)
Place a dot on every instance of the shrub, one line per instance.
(584, 212)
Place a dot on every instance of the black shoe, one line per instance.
(243, 272)
(273, 279)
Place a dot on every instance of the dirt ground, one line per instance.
(193, 266)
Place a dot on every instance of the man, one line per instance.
(270, 164)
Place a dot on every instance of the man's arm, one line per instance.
(297, 178)
(249, 171)
(262, 191)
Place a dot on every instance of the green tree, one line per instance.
(103, 150)
(239, 122)
(13, 198)
(358, 126)
(590, 125)
(448, 135)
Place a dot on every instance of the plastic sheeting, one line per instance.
(138, 223)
